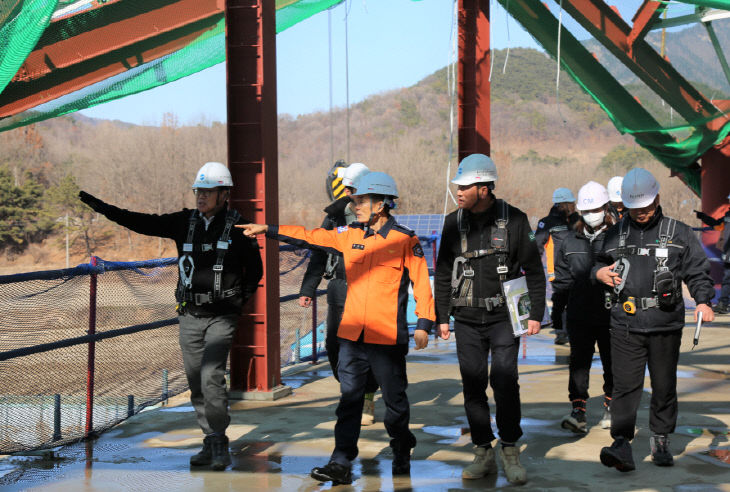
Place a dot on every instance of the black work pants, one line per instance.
(336, 295)
(583, 338)
(388, 364)
(557, 314)
(631, 353)
(474, 342)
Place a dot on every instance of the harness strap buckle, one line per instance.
(202, 299)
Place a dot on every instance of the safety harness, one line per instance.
(663, 286)
(187, 265)
(462, 275)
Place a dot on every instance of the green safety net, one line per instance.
(667, 143)
(22, 23)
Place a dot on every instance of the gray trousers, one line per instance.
(205, 343)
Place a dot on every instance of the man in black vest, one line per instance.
(644, 260)
(483, 244)
(219, 271)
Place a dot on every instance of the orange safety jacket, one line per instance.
(379, 268)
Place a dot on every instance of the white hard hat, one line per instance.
(213, 175)
(376, 183)
(563, 195)
(639, 188)
(614, 188)
(475, 168)
(353, 172)
(591, 195)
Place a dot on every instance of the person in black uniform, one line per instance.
(483, 244)
(549, 235)
(219, 271)
(588, 319)
(645, 259)
(721, 224)
(330, 266)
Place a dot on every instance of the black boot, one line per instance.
(204, 456)
(401, 457)
(576, 421)
(721, 308)
(660, 454)
(221, 456)
(332, 472)
(619, 455)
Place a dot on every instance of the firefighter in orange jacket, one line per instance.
(381, 259)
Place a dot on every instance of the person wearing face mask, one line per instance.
(549, 235)
(588, 319)
(644, 260)
(381, 258)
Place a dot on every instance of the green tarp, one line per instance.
(626, 113)
(23, 22)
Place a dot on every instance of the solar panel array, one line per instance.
(425, 226)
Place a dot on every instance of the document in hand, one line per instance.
(518, 303)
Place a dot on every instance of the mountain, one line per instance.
(689, 50)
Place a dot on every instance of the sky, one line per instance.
(392, 44)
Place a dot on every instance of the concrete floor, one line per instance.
(275, 444)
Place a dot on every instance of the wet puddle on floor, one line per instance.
(367, 474)
(299, 379)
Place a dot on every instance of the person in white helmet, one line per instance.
(485, 243)
(219, 270)
(329, 265)
(723, 244)
(588, 320)
(645, 259)
(381, 260)
(615, 203)
(550, 232)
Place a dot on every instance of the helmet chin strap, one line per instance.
(374, 216)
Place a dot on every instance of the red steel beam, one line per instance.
(111, 37)
(252, 158)
(147, 32)
(609, 29)
(473, 78)
(649, 12)
(715, 177)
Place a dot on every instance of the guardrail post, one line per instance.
(92, 349)
(130, 405)
(56, 417)
(314, 328)
(298, 346)
(164, 385)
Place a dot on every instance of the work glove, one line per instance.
(93, 202)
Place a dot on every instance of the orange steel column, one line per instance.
(252, 159)
(473, 81)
